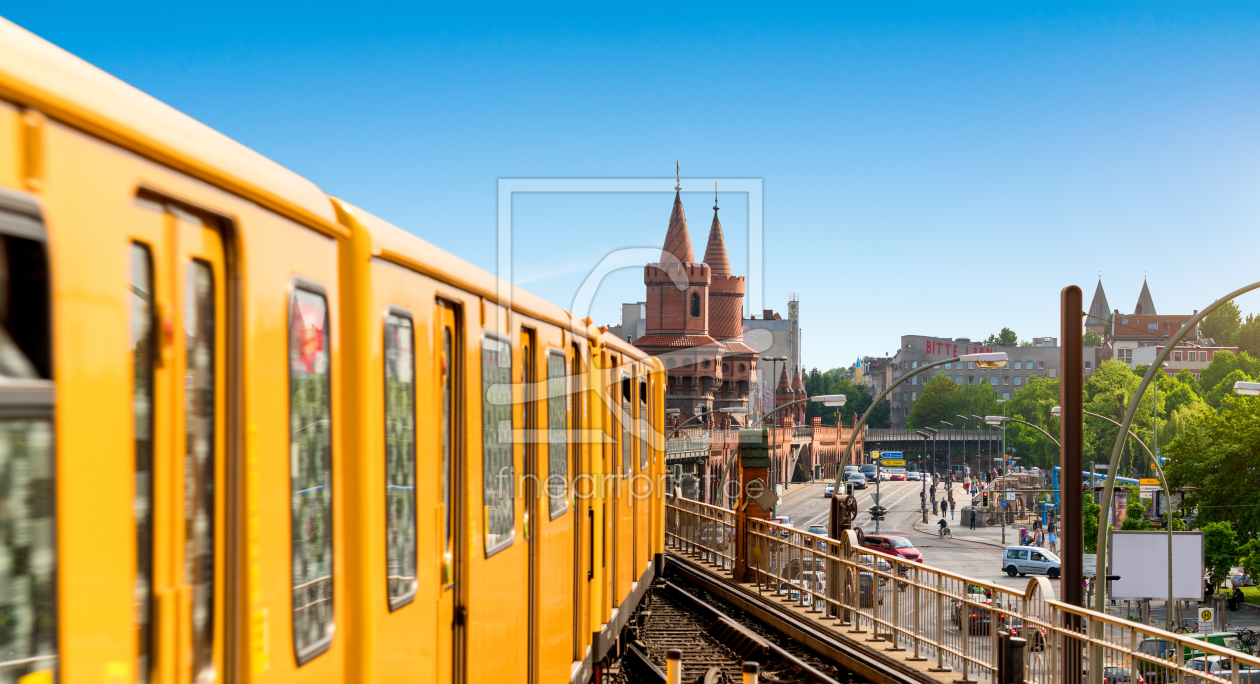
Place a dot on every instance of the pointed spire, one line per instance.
(677, 240)
(784, 384)
(1099, 310)
(796, 381)
(1145, 305)
(715, 252)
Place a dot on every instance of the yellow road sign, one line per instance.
(894, 463)
(1149, 481)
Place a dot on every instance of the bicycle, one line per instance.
(944, 534)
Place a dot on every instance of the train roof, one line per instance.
(37, 74)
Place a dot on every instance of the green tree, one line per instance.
(934, 405)
(1033, 403)
(1224, 388)
(1006, 338)
(1187, 378)
(1108, 392)
(1222, 325)
(1220, 549)
(1134, 512)
(1224, 363)
(1218, 455)
(1249, 336)
(974, 400)
(857, 400)
(1093, 339)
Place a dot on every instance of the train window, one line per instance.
(400, 460)
(643, 426)
(448, 431)
(199, 465)
(496, 442)
(28, 640)
(310, 471)
(627, 430)
(140, 286)
(557, 434)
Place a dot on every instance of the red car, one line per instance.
(893, 546)
(897, 477)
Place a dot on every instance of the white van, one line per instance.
(1025, 560)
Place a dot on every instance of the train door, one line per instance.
(583, 508)
(452, 604)
(612, 500)
(181, 486)
(529, 380)
(627, 469)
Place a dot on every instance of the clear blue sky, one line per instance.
(939, 169)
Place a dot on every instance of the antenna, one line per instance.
(715, 205)
(678, 175)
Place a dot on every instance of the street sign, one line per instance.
(885, 456)
(875, 497)
(1089, 564)
(1152, 481)
(1010, 496)
(1205, 620)
(895, 462)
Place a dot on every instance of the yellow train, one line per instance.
(252, 433)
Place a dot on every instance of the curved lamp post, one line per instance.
(1056, 411)
(1100, 602)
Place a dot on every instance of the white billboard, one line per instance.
(1140, 558)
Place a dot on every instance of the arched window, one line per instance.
(695, 305)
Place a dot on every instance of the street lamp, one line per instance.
(1100, 601)
(982, 360)
(949, 447)
(933, 431)
(964, 456)
(1250, 389)
(993, 421)
(824, 399)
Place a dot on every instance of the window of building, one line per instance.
(1006, 380)
(1152, 326)
(726, 368)
(914, 364)
(1041, 365)
(1019, 380)
(1124, 321)
(496, 443)
(914, 396)
(1176, 356)
(993, 380)
(695, 305)
(741, 368)
(914, 380)
(971, 379)
(1018, 365)
(1124, 355)
(400, 460)
(1203, 356)
(1054, 372)
(1088, 363)
(959, 380)
(310, 449)
(705, 364)
(971, 365)
(1006, 395)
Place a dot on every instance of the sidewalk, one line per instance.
(991, 535)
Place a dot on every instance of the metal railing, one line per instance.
(704, 532)
(925, 613)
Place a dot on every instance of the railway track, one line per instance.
(714, 644)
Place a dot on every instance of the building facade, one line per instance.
(1189, 357)
(1040, 360)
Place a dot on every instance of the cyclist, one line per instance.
(944, 527)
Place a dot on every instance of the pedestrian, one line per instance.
(951, 509)
(973, 518)
(1054, 543)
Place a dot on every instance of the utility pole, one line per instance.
(1071, 440)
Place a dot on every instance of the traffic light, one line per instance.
(984, 500)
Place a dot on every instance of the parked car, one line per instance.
(1160, 650)
(820, 530)
(1113, 674)
(869, 471)
(893, 545)
(868, 561)
(1242, 579)
(1025, 560)
(1222, 666)
(977, 619)
(858, 480)
(829, 490)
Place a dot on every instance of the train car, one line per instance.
(252, 433)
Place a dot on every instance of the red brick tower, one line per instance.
(783, 395)
(726, 321)
(798, 390)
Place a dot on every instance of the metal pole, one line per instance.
(1071, 439)
(1002, 484)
